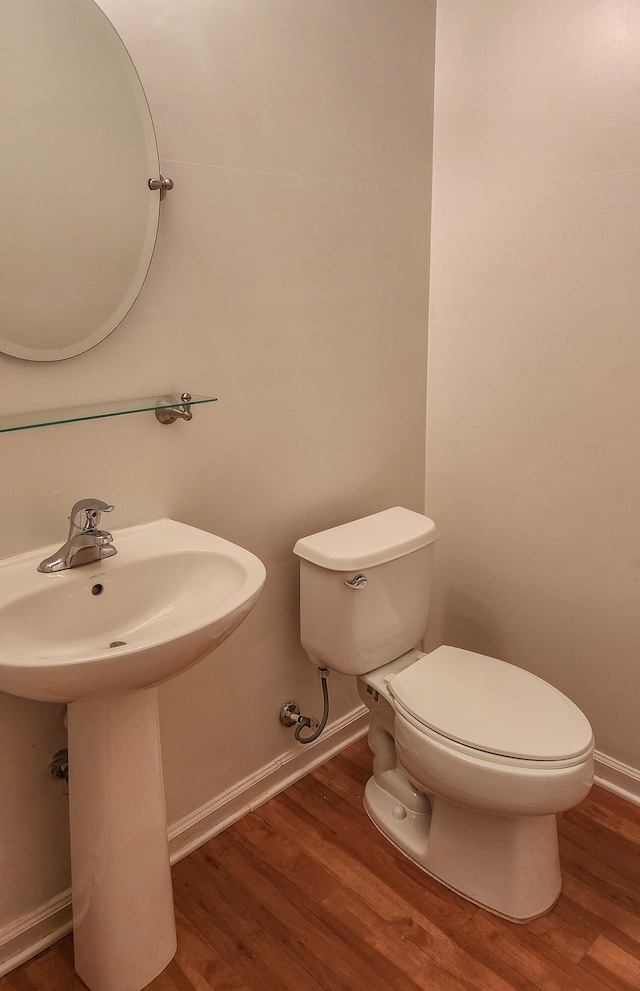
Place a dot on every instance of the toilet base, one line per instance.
(508, 865)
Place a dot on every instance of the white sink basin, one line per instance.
(170, 595)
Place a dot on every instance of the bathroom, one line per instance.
(301, 257)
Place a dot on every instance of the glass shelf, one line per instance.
(48, 417)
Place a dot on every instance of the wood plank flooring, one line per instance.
(305, 893)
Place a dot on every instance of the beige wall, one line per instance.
(290, 280)
(534, 354)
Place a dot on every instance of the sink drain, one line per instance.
(118, 643)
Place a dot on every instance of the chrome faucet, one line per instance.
(85, 542)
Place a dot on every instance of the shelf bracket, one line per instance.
(180, 411)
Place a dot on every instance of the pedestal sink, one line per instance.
(100, 637)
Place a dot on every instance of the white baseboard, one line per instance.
(25, 937)
(189, 833)
(34, 932)
(617, 777)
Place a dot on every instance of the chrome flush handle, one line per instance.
(360, 581)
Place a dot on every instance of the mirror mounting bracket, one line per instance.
(164, 185)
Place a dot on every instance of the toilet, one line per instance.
(473, 757)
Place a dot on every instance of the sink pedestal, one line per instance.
(123, 919)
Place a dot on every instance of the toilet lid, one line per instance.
(492, 706)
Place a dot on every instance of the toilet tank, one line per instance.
(357, 629)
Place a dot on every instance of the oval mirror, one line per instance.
(78, 149)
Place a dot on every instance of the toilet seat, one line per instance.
(497, 711)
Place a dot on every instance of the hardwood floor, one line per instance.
(305, 893)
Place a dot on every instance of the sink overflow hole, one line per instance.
(118, 643)
(97, 589)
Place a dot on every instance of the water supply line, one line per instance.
(290, 714)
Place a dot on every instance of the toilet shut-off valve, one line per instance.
(290, 714)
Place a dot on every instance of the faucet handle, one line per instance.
(85, 514)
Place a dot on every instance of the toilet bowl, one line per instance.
(489, 831)
(473, 757)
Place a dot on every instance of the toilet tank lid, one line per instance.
(369, 541)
